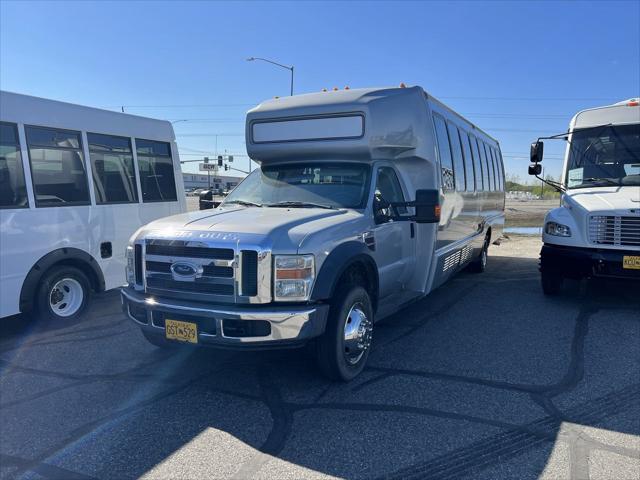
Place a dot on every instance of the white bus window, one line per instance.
(477, 162)
(468, 161)
(156, 171)
(113, 173)
(458, 162)
(57, 167)
(13, 193)
(446, 163)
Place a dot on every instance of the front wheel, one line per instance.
(63, 295)
(344, 347)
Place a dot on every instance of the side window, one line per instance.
(500, 168)
(486, 177)
(114, 178)
(446, 162)
(156, 171)
(13, 192)
(458, 162)
(388, 187)
(477, 162)
(492, 169)
(57, 167)
(468, 161)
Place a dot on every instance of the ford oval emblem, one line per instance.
(185, 271)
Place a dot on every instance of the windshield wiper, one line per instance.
(300, 205)
(244, 203)
(597, 179)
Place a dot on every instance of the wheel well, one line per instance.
(70, 257)
(82, 266)
(360, 273)
(488, 236)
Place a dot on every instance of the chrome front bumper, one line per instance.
(289, 325)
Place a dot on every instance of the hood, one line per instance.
(621, 200)
(285, 228)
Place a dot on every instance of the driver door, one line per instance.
(394, 240)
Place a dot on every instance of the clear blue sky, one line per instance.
(516, 69)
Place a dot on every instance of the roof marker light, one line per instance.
(402, 85)
(633, 103)
(324, 89)
(335, 89)
(347, 87)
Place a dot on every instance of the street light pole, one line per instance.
(290, 68)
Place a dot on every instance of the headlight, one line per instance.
(130, 269)
(293, 276)
(557, 229)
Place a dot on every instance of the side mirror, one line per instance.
(427, 206)
(535, 169)
(537, 148)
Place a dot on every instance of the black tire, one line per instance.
(479, 265)
(332, 353)
(55, 284)
(552, 282)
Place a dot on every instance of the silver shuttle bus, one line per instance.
(365, 200)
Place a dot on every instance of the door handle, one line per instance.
(413, 230)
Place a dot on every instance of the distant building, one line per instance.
(200, 180)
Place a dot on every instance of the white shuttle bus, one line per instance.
(75, 184)
(596, 230)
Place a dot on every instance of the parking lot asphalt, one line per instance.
(485, 378)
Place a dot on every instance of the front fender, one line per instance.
(337, 262)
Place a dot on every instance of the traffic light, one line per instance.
(219, 160)
(226, 167)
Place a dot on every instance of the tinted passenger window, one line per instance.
(13, 193)
(468, 161)
(486, 175)
(492, 167)
(458, 162)
(499, 168)
(114, 178)
(156, 171)
(446, 162)
(477, 162)
(57, 167)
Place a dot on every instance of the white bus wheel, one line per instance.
(64, 294)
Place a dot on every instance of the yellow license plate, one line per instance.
(631, 262)
(181, 331)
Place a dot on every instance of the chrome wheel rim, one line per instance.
(358, 329)
(66, 296)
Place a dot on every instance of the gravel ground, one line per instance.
(485, 378)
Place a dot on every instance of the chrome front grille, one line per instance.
(614, 230)
(222, 275)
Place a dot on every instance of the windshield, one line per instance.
(604, 156)
(329, 185)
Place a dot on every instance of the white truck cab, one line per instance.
(365, 200)
(596, 229)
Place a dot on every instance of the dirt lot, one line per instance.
(527, 214)
(484, 379)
